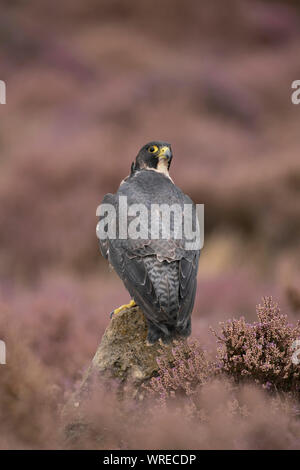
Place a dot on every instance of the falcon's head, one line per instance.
(155, 155)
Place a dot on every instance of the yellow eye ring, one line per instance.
(153, 149)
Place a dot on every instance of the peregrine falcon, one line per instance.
(159, 272)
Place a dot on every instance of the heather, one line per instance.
(260, 353)
(229, 398)
(88, 83)
(262, 350)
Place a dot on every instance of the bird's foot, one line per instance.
(123, 307)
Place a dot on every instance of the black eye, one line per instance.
(153, 149)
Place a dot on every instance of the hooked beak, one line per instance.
(165, 153)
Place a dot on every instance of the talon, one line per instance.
(123, 307)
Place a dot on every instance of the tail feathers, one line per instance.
(165, 279)
(167, 333)
(170, 318)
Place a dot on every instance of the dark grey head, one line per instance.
(155, 155)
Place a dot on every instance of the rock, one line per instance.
(123, 355)
(124, 352)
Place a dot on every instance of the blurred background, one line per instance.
(90, 82)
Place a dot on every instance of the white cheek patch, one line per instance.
(162, 166)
